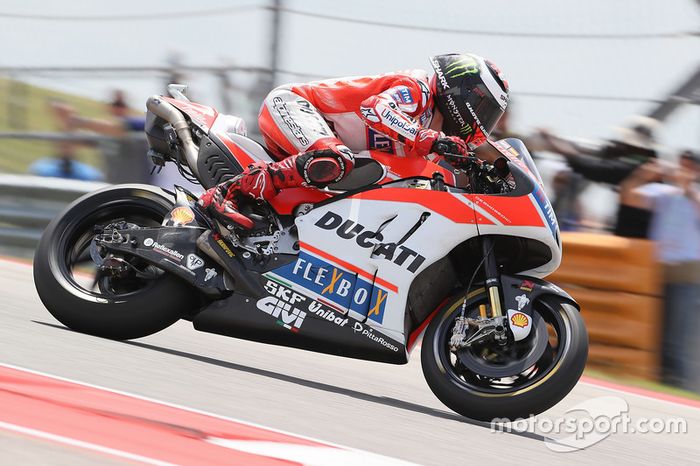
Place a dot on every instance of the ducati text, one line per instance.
(396, 253)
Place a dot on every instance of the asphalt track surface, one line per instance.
(378, 408)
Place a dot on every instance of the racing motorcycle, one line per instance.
(401, 248)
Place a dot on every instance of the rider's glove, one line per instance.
(451, 145)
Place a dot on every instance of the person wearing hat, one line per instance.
(633, 146)
(613, 163)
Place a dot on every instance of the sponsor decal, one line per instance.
(182, 215)
(346, 153)
(376, 306)
(282, 305)
(462, 67)
(280, 107)
(426, 118)
(335, 287)
(402, 95)
(520, 324)
(526, 285)
(424, 93)
(166, 251)
(194, 261)
(324, 313)
(210, 273)
(366, 331)
(519, 320)
(379, 141)
(313, 123)
(455, 113)
(222, 244)
(365, 238)
(404, 126)
(522, 301)
(369, 114)
(307, 164)
(476, 119)
(148, 242)
(546, 209)
(439, 74)
(305, 106)
(481, 202)
(291, 308)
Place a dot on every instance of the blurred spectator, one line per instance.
(613, 163)
(126, 130)
(676, 229)
(121, 124)
(566, 204)
(64, 165)
(503, 130)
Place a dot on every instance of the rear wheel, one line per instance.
(488, 381)
(137, 302)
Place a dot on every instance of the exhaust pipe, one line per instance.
(172, 115)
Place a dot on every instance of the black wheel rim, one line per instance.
(559, 333)
(71, 259)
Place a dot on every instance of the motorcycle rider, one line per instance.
(314, 128)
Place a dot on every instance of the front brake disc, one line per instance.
(529, 352)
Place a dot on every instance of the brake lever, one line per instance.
(464, 160)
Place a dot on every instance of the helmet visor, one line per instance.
(473, 113)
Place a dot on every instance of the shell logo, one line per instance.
(519, 320)
(182, 215)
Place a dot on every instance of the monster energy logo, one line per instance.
(454, 111)
(465, 130)
(461, 67)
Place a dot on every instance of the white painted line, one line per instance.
(308, 455)
(196, 411)
(80, 444)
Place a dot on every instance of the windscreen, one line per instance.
(516, 147)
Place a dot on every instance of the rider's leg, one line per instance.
(290, 124)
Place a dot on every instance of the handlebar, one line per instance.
(470, 163)
(483, 176)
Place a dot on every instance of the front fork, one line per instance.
(493, 277)
(493, 326)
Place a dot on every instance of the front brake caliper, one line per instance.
(459, 333)
(494, 327)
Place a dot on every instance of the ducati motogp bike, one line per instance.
(403, 250)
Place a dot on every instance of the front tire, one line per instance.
(121, 311)
(529, 393)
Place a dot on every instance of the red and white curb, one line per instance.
(640, 392)
(148, 431)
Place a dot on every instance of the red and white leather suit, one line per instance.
(314, 129)
(383, 112)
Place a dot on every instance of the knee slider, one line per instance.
(321, 167)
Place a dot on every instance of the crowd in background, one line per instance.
(659, 200)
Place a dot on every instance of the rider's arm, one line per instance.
(393, 112)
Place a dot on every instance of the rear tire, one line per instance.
(134, 314)
(546, 389)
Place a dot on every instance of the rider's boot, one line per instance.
(263, 181)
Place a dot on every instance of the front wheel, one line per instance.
(136, 303)
(489, 381)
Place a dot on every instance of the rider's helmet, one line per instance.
(470, 93)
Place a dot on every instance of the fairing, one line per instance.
(360, 253)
